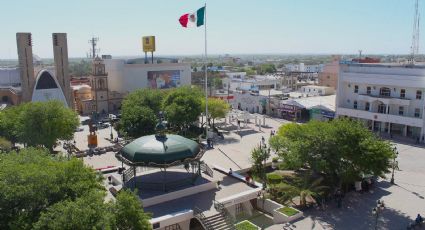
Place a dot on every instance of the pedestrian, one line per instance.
(212, 143)
(230, 171)
(419, 219)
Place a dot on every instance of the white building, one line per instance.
(315, 90)
(125, 76)
(387, 98)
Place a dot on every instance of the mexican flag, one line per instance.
(194, 19)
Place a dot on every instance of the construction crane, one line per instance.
(414, 49)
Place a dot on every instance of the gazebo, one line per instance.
(161, 151)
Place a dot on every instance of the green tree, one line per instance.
(41, 191)
(217, 108)
(128, 212)
(44, 123)
(140, 111)
(80, 69)
(33, 180)
(258, 157)
(86, 213)
(266, 68)
(10, 123)
(341, 149)
(218, 83)
(182, 106)
(38, 123)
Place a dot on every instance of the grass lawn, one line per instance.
(288, 211)
(246, 225)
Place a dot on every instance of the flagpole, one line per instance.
(206, 71)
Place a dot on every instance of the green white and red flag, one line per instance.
(194, 19)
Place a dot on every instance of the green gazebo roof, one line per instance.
(160, 150)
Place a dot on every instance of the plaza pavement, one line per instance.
(403, 201)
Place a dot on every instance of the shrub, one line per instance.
(288, 211)
(274, 178)
(246, 225)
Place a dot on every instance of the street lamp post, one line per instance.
(111, 124)
(265, 152)
(394, 164)
(377, 210)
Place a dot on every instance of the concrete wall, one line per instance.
(179, 194)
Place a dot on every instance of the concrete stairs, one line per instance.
(219, 222)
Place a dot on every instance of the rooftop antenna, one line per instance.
(93, 50)
(414, 49)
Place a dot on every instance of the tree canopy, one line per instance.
(217, 108)
(182, 106)
(38, 123)
(342, 149)
(41, 191)
(140, 111)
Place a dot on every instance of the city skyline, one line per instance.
(237, 27)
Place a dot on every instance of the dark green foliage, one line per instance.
(182, 106)
(40, 191)
(140, 111)
(274, 178)
(342, 149)
(38, 123)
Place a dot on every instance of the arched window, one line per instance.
(384, 91)
(382, 108)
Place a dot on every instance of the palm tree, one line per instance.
(312, 189)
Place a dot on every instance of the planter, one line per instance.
(246, 225)
(286, 214)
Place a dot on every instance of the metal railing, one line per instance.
(201, 217)
(207, 170)
(230, 221)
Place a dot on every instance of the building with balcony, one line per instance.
(389, 99)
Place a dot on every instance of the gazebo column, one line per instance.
(135, 177)
(164, 181)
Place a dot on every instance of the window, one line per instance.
(382, 108)
(417, 112)
(368, 90)
(355, 104)
(419, 95)
(367, 106)
(384, 91)
(401, 110)
(356, 89)
(329, 76)
(402, 93)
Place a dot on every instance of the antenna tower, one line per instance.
(93, 50)
(414, 49)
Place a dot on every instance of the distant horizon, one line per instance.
(230, 55)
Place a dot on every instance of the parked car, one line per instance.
(79, 129)
(101, 125)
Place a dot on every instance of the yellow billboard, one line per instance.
(148, 43)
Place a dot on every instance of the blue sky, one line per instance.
(234, 26)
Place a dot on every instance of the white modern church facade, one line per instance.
(389, 99)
